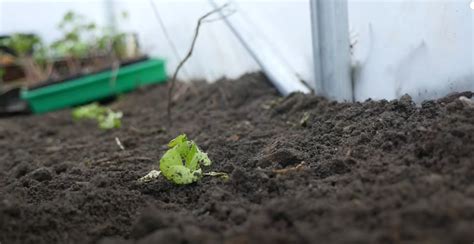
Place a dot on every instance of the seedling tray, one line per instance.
(94, 87)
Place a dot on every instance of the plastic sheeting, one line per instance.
(218, 53)
(421, 47)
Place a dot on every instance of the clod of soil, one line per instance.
(41, 174)
(371, 172)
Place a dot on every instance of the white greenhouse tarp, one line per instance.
(420, 47)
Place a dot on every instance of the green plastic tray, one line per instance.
(94, 87)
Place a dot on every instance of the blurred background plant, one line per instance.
(77, 37)
(121, 44)
(82, 48)
(29, 52)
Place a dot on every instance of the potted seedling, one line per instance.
(29, 51)
(76, 41)
(94, 63)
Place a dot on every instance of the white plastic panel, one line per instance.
(286, 24)
(423, 47)
(420, 47)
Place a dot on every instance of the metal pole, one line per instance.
(331, 51)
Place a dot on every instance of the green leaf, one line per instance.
(105, 117)
(181, 164)
(110, 120)
(69, 16)
(91, 26)
(91, 111)
(22, 44)
(178, 140)
(79, 49)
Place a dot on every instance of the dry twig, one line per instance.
(290, 169)
(119, 144)
(188, 55)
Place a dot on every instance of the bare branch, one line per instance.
(223, 16)
(188, 55)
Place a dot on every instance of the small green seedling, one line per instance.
(91, 111)
(22, 44)
(78, 36)
(110, 120)
(181, 164)
(105, 117)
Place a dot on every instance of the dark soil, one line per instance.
(371, 172)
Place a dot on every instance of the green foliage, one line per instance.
(181, 164)
(110, 120)
(105, 117)
(23, 45)
(82, 38)
(111, 40)
(78, 35)
(31, 54)
(42, 55)
(91, 111)
(115, 42)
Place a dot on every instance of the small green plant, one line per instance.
(112, 41)
(106, 118)
(182, 163)
(77, 36)
(30, 52)
(76, 42)
(84, 39)
(22, 44)
(83, 46)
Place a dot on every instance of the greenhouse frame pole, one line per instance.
(331, 49)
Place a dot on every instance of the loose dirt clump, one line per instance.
(302, 170)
